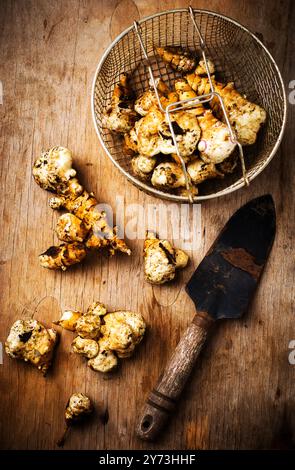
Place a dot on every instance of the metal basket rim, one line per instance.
(154, 191)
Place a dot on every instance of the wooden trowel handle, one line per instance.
(162, 400)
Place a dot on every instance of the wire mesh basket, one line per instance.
(238, 57)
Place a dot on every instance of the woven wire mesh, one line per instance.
(237, 55)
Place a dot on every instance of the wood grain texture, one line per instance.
(242, 393)
(162, 401)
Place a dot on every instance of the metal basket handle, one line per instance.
(182, 104)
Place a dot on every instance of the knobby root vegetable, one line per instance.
(78, 408)
(104, 337)
(161, 260)
(30, 341)
(245, 117)
(120, 115)
(177, 58)
(84, 227)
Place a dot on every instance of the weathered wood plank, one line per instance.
(242, 393)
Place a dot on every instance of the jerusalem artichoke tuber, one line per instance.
(83, 227)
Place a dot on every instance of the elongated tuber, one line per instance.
(177, 58)
(245, 117)
(69, 319)
(84, 227)
(78, 408)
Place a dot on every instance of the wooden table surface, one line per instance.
(242, 393)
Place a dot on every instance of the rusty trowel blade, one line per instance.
(226, 279)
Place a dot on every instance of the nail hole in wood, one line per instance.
(146, 423)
